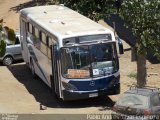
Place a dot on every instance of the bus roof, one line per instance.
(63, 21)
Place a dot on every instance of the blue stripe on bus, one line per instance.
(33, 55)
(86, 85)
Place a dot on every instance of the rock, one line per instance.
(42, 107)
(156, 74)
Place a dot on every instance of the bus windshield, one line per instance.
(89, 60)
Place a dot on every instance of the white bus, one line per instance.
(75, 56)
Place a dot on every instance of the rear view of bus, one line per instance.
(83, 62)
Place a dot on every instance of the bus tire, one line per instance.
(31, 65)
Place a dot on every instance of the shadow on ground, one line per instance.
(127, 49)
(150, 57)
(126, 34)
(153, 59)
(43, 95)
(115, 21)
(31, 4)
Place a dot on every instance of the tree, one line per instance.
(2, 45)
(2, 48)
(94, 9)
(2, 42)
(142, 16)
(11, 35)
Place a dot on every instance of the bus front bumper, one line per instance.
(67, 95)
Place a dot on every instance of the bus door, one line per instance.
(55, 82)
(23, 37)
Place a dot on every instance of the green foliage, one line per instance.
(0, 27)
(2, 42)
(94, 9)
(1, 23)
(11, 35)
(143, 16)
(132, 75)
(2, 48)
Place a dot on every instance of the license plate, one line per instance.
(93, 95)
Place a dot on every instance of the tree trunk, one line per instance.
(133, 54)
(141, 70)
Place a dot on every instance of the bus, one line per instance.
(75, 56)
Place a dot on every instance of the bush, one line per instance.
(2, 48)
(11, 35)
(132, 75)
(0, 27)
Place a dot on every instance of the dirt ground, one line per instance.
(9, 14)
(20, 93)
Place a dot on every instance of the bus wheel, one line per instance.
(32, 68)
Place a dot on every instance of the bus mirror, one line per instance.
(120, 45)
(121, 51)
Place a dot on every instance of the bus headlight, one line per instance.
(69, 86)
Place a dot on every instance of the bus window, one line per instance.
(75, 62)
(27, 28)
(49, 43)
(30, 28)
(43, 37)
(101, 58)
(49, 52)
(43, 48)
(33, 30)
(36, 33)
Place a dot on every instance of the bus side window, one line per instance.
(27, 27)
(43, 37)
(30, 35)
(49, 43)
(33, 30)
(36, 32)
(43, 46)
(30, 28)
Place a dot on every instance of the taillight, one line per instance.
(114, 108)
(147, 112)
